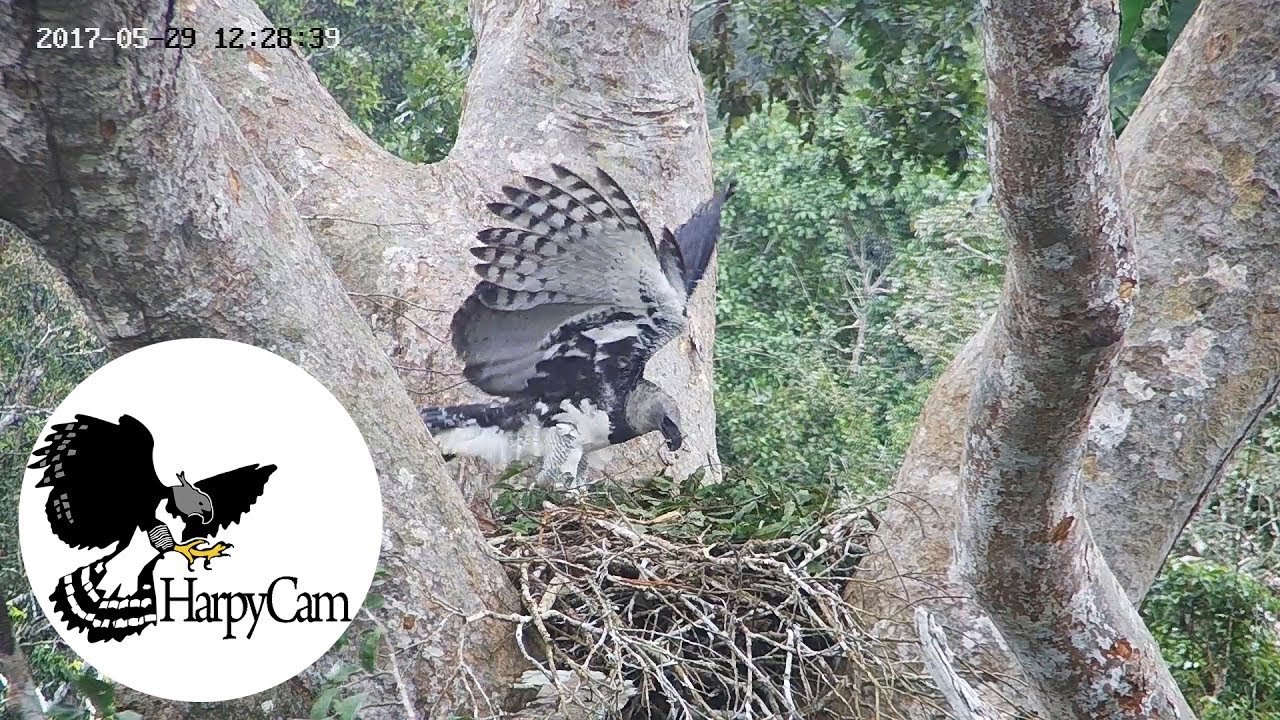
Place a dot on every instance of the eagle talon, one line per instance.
(546, 480)
(561, 481)
(191, 550)
(572, 483)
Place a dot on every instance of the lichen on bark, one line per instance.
(1197, 370)
(219, 193)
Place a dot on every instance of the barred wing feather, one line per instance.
(101, 479)
(573, 299)
(696, 239)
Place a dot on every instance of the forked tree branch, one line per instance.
(1198, 367)
(146, 197)
(167, 187)
(1023, 541)
(549, 83)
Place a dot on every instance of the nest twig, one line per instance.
(678, 628)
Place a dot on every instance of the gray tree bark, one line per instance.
(1198, 368)
(551, 82)
(271, 181)
(223, 193)
(1023, 543)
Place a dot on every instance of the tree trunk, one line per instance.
(222, 193)
(1198, 370)
(552, 82)
(1023, 543)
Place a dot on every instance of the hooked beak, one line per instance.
(671, 432)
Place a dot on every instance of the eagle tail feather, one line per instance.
(495, 433)
(80, 601)
(447, 417)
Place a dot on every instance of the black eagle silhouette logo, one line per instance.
(104, 488)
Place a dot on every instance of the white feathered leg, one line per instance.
(561, 460)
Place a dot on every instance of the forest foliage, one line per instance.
(857, 257)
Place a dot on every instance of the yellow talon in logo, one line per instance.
(191, 550)
(240, 449)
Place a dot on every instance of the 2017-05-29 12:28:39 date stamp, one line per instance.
(183, 38)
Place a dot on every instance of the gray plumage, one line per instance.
(191, 500)
(576, 294)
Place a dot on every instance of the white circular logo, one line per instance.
(201, 520)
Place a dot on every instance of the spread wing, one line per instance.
(695, 240)
(232, 494)
(101, 478)
(574, 299)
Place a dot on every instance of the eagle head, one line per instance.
(650, 408)
(191, 500)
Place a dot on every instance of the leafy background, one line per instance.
(857, 256)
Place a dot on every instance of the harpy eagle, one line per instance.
(104, 488)
(576, 295)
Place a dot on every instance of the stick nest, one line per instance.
(663, 625)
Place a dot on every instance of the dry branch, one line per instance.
(964, 700)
